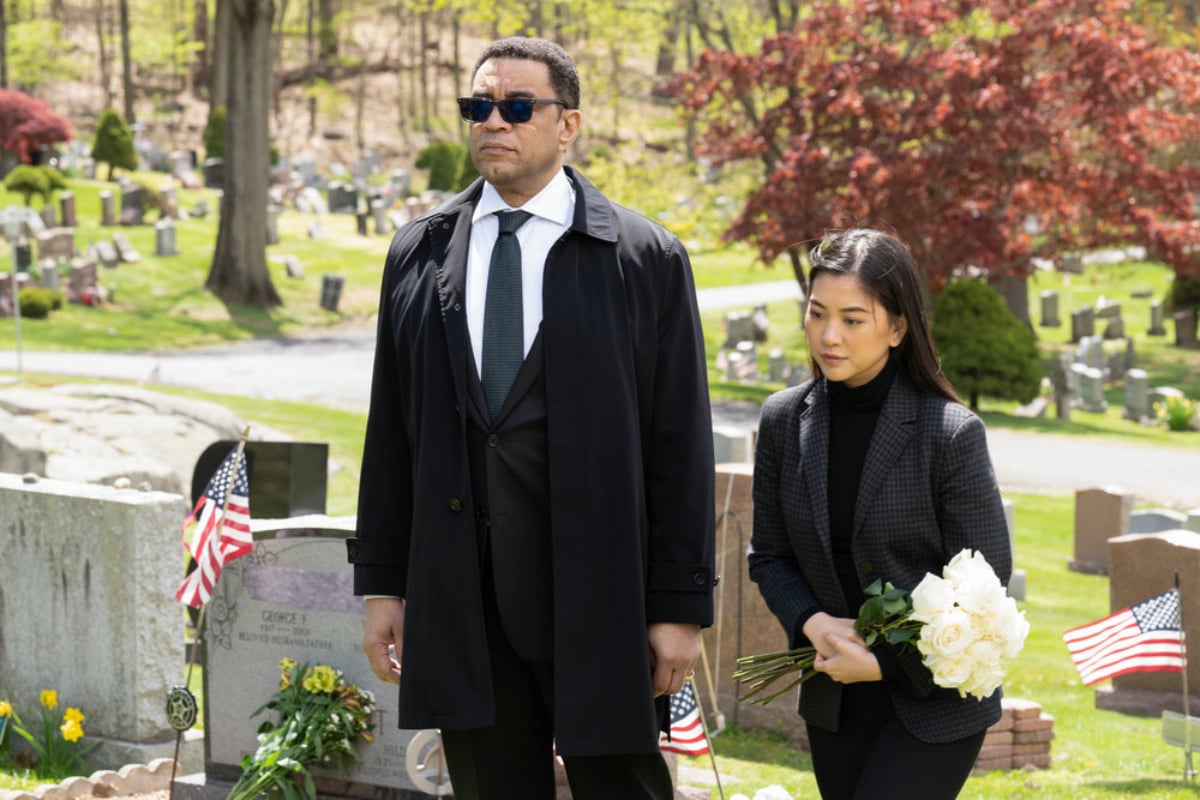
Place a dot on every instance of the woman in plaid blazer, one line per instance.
(872, 469)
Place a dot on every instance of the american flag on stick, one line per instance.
(687, 729)
(219, 527)
(1145, 637)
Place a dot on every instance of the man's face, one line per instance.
(519, 159)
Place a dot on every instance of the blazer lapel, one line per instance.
(814, 454)
(897, 421)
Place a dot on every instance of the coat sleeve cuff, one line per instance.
(691, 608)
(377, 579)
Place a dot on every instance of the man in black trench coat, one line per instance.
(543, 565)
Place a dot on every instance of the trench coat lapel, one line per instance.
(897, 421)
(452, 235)
(814, 452)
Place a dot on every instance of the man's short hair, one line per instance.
(563, 76)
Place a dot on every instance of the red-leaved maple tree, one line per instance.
(983, 133)
(27, 123)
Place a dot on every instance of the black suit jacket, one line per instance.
(927, 491)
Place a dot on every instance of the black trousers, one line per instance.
(873, 756)
(514, 759)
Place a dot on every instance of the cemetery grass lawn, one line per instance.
(1095, 754)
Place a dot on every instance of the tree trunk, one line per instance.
(239, 274)
(105, 58)
(668, 44)
(126, 63)
(200, 65)
(326, 33)
(218, 86)
(423, 66)
(277, 50)
(3, 45)
(310, 43)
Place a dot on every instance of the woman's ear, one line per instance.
(899, 329)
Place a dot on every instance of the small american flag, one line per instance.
(1145, 637)
(687, 729)
(217, 539)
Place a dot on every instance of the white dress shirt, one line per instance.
(553, 208)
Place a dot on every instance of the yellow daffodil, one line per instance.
(49, 699)
(5, 709)
(73, 715)
(72, 731)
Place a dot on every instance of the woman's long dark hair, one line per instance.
(888, 274)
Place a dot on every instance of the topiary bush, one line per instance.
(984, 349)
(444, 160)
(28, 180)
(37, 303)
(113, 144)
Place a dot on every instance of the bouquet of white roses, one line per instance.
(964, 624)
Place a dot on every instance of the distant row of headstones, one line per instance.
(1083, 320)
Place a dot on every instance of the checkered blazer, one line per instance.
(927, 491)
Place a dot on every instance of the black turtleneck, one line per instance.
(853, 413)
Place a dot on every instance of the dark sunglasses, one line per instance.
(513, 110)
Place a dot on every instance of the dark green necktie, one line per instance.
(503, 322)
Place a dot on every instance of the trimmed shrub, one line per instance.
(37, 303)
(444, 160)
(214, 134)
(113, 144)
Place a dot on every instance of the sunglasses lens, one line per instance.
(516, 110)
(474, 109)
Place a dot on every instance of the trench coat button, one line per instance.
(455, 504)
(700, 579)
(458, 306)
(493, 440)
(866, 568)
(480, 512)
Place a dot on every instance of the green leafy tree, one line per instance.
(444, 160)
(113, 144)
(27, 180)
(984, 349)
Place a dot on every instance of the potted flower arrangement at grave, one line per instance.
(55, 751)
(963, 623)
(322, 718)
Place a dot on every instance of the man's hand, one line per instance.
(383, 634)
(674, 648)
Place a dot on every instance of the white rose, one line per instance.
(932, 596)
(969, 568)
(1011, 628)
(981, 594)
(947, 634)
(950, 672)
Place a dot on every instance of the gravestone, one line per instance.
(379, 213)
(1185, 328)
(1154, 520)
(106, 253)
(761, 323)
(214, 173)
(1083, 323)
(1142, 566)
(1100, 515)
(1115, 329)
(1156, 320)
(361, 220)
(1108, 310)
(133, 204)
(748, 365)
(23, 252)
(49, 216)
(82, 282)
(272, 224)
(66, 204)
(56, 243)
(292, 267)
(1060, 381)
(1192, 522)
(182, 162)
(125, 249)
(170, 196)
(342, 199)
(108, 211)
(1091, 388)
(1050, 309)
(164, 237)
(87, 578)
(1071, 262)
(777, 365)
(89, 168)
(1090, 352)
(1137, 395)
(733, 365)
(1017, 582)
(291, 597)
(732, 445)
(743, 625)
(50, 276)
(331, 291)
(401, 183)
(739, 327)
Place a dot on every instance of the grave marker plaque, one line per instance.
(1100, 515)
(292, 597)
